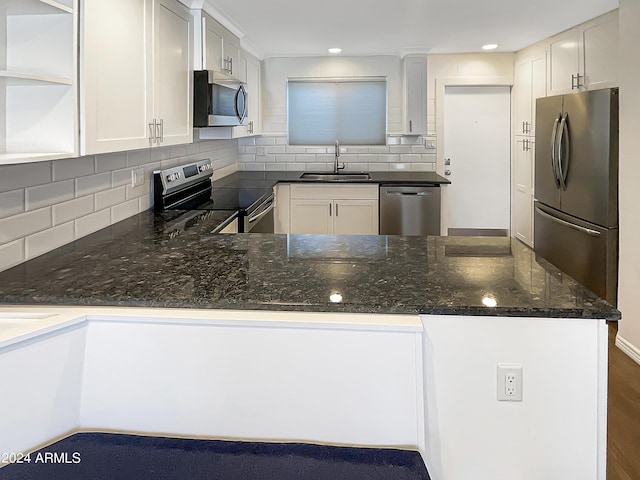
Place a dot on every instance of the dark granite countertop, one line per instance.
(268, 179)
(146, 261)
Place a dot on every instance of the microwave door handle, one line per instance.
(563, 139)
(554, 135)
(240, 115)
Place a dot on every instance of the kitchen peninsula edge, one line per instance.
(179, 332)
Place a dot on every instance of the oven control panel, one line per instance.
(175, 178)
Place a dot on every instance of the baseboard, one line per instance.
(628, 348)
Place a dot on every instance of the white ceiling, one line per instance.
(364, 27)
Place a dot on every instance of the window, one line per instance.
(350, 110)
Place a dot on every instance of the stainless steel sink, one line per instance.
(335, 177)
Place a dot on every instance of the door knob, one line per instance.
(447, 172)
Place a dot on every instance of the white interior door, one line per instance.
(477, 130)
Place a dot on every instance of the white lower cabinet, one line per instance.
(334, 209)
(137, 75)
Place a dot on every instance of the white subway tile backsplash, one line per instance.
(109, 198)
(275, 167)
(159, 154)
(390, 158)
(100, 185)
(11, 203)
(316, 150)
(137, 192)
(282, 140)
(378, 149)
(296, 150)
(124, 210)
(94, 183)
(411, 158)
(305, 158)
(246, 141)
(13, 177)
(24, 224)
(276, 149)
(368, 158)
(11, 254)
(296, 167)
(284, 158)
(400, 149)
(67, 211)
(378, 167)
(49, 194)
(254, 167)
(398, 166)
(73, 168)
(51, 239)
(429, 158)
(421, 167)
(356, 150)
(318, 167)
(356, 167)
(140, 157)
(110, 161)
(265, 141)
(92, 223)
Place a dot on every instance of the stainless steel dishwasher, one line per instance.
(409, 210)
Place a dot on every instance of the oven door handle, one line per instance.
(262, 213)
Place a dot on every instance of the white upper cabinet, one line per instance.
(173, 75)
(38, 86)
(530, 84)
(217, 49)
(137, 75)
(415, 94)
(585, 57)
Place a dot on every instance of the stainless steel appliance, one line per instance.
(218, 102)
(188, 188)
(409, 210)
(576, 187)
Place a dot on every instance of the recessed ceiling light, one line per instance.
(490, 46)
(335, 50)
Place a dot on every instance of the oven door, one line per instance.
(260, 219)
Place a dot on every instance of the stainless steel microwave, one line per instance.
(218, 102)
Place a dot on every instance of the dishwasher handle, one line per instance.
(396, 193)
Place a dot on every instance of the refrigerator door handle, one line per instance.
(554, 135)
(588, 231)
(563, 130)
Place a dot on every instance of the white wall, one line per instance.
(41, 387)
(401, 152)
(276, 71)
(46, 205)
(629, 195)
(558, 431)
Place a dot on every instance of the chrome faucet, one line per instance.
(337, 166)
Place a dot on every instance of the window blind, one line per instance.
(352, 111)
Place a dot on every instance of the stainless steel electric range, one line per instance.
(188, 187)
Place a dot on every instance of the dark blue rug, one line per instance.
(101, 456)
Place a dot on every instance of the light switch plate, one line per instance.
(137, 177)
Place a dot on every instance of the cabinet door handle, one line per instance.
(410, 126)
(159, 130)
(152, 132)
(329, 209)
(336, 209)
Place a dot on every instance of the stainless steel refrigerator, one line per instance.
(576, 187)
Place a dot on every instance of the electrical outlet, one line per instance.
(510, 383)
(137, 177)
(261, 151)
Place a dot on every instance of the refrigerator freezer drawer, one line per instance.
(586, 252)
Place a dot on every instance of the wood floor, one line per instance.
(623, 447)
